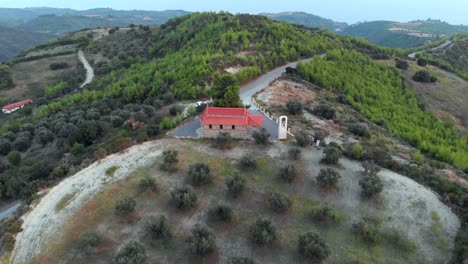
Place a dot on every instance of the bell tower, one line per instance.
(283, 127)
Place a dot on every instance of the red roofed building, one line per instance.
(235, 121)
(15, 106)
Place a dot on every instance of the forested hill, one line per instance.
(309, 20)
(403, 35)
(142, 72)
(13, 41)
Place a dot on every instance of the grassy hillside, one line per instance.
(14, 40)
(309, 20)
(403, 35)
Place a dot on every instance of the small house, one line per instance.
(238, 122)
(15, 106)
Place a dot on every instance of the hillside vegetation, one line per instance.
(127, 103)
(403, 35)
(309, 20)
(22, 29)
(377, 92)
(14, 41)
(453, 58)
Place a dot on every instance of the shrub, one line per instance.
(174, 110)
(303, 139)
(288, 173)
(166, 124)
(418, 157)
(22, 143)
(202, 241)
(5, 146)
(125, 206)
(221, 213)
(294, 107)
(247, 162)
(240, 260)
(261, 136)
(87, 242)
(58, 66)
(262, 232)
(325, 111)
(111, 170)
(368, 229)
(278, 202)
(359, 129)
(325, 214)
(328, 178)
(223, 140)
(9, 241)
(357, 151)
(14, 158)
(158, 228)
(77, 149)
(235, 185)
(370, 168)
(371, 186)
(294, 153)
(132, 253)
(331, 155)
(169, 160)
(424, 77)
(199, 174)
(310, 245)
(184, 197)
(147, 184)
(401, 64)
(421, 62)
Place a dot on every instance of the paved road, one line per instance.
(445, 44)
(9, 211)
(89, 69)
(248, 90)
(246, 93)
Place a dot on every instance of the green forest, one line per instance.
(377, 92)
(124, 104)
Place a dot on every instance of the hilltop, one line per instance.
(309, 20)
(403, 35)
(147, 77)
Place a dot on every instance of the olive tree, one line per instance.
(262, 232)
(202, 241)
(310, 245)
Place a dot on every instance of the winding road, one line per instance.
(89, 69)
(251, 88)
(443, 45)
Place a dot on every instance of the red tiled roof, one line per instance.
(17, 104)
(230, 116)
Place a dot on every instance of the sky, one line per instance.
(350, 11)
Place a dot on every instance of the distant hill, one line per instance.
(14, 40)
(403, 35)
(37, 25)
(309, 20)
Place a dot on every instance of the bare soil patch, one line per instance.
(404, 206)
(32, 77)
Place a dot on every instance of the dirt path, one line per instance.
(89, 69)
(42, 221)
